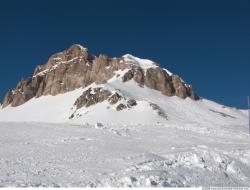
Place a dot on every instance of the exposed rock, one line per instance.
(72, 116)
(182, 90)
(158, 79)
(99, 125)
(102, 69)
(88, 98)
(75, 53)
(78, 51)
(139, 76)
(93, 96)
(128, 76)
(121, 107)
(114, 98)
(131, 103)
(8, 98)
(159, 111)
(25, 90)
(191, 93)
(179, 86)
(66, 77)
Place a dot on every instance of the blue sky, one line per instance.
(205, 42)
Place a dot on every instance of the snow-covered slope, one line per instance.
(160, 141)
(175, 111)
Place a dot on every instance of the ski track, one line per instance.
(73, 155)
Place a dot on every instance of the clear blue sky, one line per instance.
(205, 42)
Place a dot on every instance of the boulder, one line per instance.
(114, 98)
(131, 103)
(121, 107)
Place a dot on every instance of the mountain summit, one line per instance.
(76, 67)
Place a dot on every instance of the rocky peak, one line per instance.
(76, 67)
(75, 53)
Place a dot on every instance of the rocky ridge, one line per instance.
(76, 67)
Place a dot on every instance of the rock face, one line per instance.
(158, 79)
(139, 76)
(76, 67)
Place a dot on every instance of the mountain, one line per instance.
(101, 79)
(93, 121)
(77, 86)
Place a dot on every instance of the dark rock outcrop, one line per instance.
(128, 76)
(114, 98)
(159, 111)
(131, 103)
(92, 96)
(89, 98)
(121, 107)
(139, 76)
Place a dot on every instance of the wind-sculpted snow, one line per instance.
(68, 155)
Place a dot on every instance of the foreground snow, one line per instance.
(175, 143)
(39, 154)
